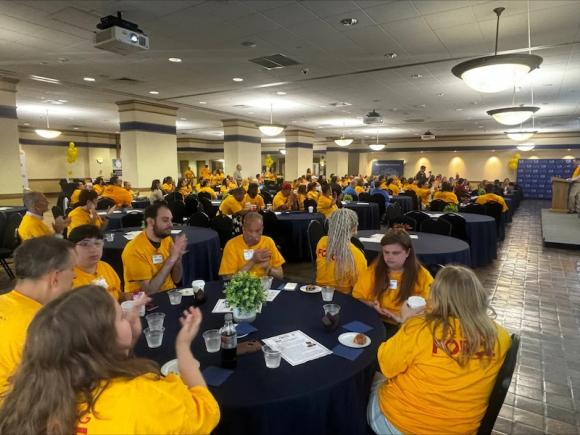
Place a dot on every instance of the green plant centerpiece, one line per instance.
(347, 198)
(450, 208)
(245, 295)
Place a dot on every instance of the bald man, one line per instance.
(252, 252)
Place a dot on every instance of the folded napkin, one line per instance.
(245, 328)
(215, 376)
(346, 352)
(356, 326)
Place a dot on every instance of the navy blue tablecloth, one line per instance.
(429, 248)
(201, 261)
(326, 396)
(368, 214)
(293, 229)
(483, 237)
(116, 218)
(406, 202)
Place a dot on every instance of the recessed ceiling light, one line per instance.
(417, 76)
(175, 59)
(459, 109)
(28, 123)
(154, 92)
(63, 101)
(454, 151)
(440, 94)
(238, 79)
(44, 79)
(280, 93)
(89, 79)
(493, 151)
(183, 119)
(75, 128)
(250, 113)
(249, 44)
(391, 55)
(480, 126)
(349, 21)
(569, 149)
(203, 102)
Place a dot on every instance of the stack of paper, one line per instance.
(297, 348)
(375, 238)
(131, 235)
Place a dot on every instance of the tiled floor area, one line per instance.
(536, 293)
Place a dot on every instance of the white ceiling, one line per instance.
(55, 39)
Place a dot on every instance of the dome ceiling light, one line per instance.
(513, 115)
(47, 133)
(520, 135)
(498, 72)
(528, 146)
(271, 129)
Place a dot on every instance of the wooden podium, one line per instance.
(560, 189)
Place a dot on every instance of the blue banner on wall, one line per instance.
(388, 167)
(535, 175)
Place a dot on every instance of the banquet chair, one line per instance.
(413, 196)
(380, 201)
(5, 253)
(500, 388)
(224, 226)
(204, 195)
(458, 225)
(474, 209)
(437, 205)
(57, 211)
(199, 219)
(393, 212)
(178, 211)
(267, 197)
(105, 203)
(207, 206)
(356, 242)
(9, 238)
(365, 197)
(419, 217)
(315, 233)
(191, 205)
(132, 219)
(435, 227)
(406, 222)
(310, 203)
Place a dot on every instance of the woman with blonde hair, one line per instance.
(339, 263)
(77, 375)
(440, 366)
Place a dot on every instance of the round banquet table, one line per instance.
(482, 234)
(11, 209)
(201, 261)
(325, 395)
(293, 230)
(406, 202)
(511, 208)
(140, 203)
(368, 214)
(116, 217)
(430, 248)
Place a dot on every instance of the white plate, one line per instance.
(316, 290)
(171, 367)
(186, 291)
(346, 339)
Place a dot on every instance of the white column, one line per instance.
(10, 148)
(242, 145)
(299, 152)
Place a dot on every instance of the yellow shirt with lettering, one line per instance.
(74, 198)
(325, 270)
(151, 405)
(492, 197)
(16, 313)
(233, 256)
(80, 216)
(364, 288)
(32, 226)
(429, 392)
(104, 272)
(142, 261)
(208, 190)
(325, 206)
(230, 206)
(122, 197)
(258, 201)
(447, 197)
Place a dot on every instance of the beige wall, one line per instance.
(9, 150)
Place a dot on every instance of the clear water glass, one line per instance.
(175, 297)
(212, 338)
(154, 337)
(155, 321)
(327, 293)
(272, 357)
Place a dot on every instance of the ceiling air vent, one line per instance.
(127, 80)
(274, 61)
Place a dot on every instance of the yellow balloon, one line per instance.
(512, 165)
(517, 156)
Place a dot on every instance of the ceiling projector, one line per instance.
(373, 118)
(120, 36)
(428, 136)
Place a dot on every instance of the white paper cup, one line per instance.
(109, 237)
(127, 306)
(198, 284)
(310, 209)
(416, 302)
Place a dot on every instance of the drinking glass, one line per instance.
(327, 293)
(272, 357)
(154, 337)
(155, 321)
(212, 338)
(175, 297)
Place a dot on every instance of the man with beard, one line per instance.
(152, 260)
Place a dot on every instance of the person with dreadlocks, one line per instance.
(339, 263)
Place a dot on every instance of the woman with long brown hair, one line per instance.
(440, 366)
(77, 375)
(393, 277)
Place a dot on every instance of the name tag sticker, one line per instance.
(393, 284)
(248, 254)
(157, 259)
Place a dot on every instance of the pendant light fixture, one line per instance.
(520, 135)
(47, 133)
(283, 151)
(377, 146)
(271, 129)
(513, 115)
(528, 146)
(498, 72)
(343, 141)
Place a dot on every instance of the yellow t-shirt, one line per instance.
(446, 196)
(576, 172)
(364, 288)
(16, 313)
(188, 174)
(394, 188)
(258, 201)
(232, 185)
(99, 189)
(489, 197)
(230, 206)
(427, 391)
(325, 206)
(301, 199)
(205, 173)
(208, 190)
(313, 194)
(325, 271)
(149, 405)
(423, 194)
(185, 190)
(122, 197)
(80, 216)
(142, 261)
(279, 200)
(32, 226)
(233, 256)
(74, 198)
(104, 271)
(167, 188)
(359, 189)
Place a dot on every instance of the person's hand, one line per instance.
(60, 224)
(179, 246)
(190, 323)
(407, 312)
(133, 315)
(111, 209)
(261, 255)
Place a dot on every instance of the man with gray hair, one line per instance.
(32, 225)
(44, 270)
